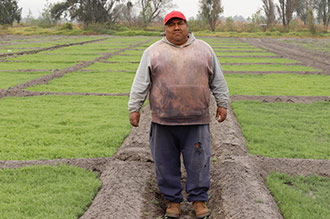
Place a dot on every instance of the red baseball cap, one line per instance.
(174, 14)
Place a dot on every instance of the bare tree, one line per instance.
(151, 9)
(286, 9)
(210, 11)
(323, 11)
(88, 11)
(269, 9)
(302, 9)
(9, 12)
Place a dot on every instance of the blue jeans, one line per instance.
(194, 142)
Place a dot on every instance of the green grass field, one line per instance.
(54, 58)
(113, 67)
(257, 68)
(244, 54)
(278, 84)
(10, 79)
(285, 130)
(93, 82)
(46, 192)
(254, 60)
(299, 196)
(50, 127)
(14, 66)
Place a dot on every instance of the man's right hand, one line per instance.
(134, 118)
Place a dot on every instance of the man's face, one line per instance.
(176, 31)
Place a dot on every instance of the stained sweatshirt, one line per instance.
(178, 80)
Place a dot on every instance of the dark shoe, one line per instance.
(173, 210)
(201, 209)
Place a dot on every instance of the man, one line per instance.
(178, 73)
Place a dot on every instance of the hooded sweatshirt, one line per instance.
(178, 80)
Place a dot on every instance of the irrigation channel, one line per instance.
(129, 188)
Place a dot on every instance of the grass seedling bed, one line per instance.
(285, 130)
(90, 82)
(5, 51)
(261, 68)
(51, 127)
(299, 196)
(54, 58)
(119, 58)
(46, 191)
(7, 66)
(11, 79)
(279, 84)
(254, 60)
(238, 49)
(132, 52)
(83, 49)
(245, 54)
(113, 66)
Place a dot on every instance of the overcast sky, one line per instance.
(189, 7)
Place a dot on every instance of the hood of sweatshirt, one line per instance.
(191, 39)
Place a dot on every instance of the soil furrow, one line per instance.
(49, 48)
(289, 99)
(277, 72)
(261, 63)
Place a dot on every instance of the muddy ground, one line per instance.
(238, 190)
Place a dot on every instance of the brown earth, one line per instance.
(129, 189)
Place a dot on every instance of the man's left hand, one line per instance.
(222, 113)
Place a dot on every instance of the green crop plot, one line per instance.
(238, 49)
(299, 196)
(285, 130)
(244, 54)
(113, 67)
(7, 66)
(60, 58)
(46, 191)
(132, 52)
(10, 79)
(232, 45)
(119, 58)
(256, 68)
(12, 50)
(279, 84)
(90, 82)
(255, 60)
(50, 127)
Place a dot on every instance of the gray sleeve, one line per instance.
(218, 84)
(141, 85)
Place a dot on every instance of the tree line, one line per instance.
(304, 9)
(142, 12)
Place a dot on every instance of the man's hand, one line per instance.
(134, 118)
(222, 112)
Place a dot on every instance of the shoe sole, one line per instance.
(172, 215)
